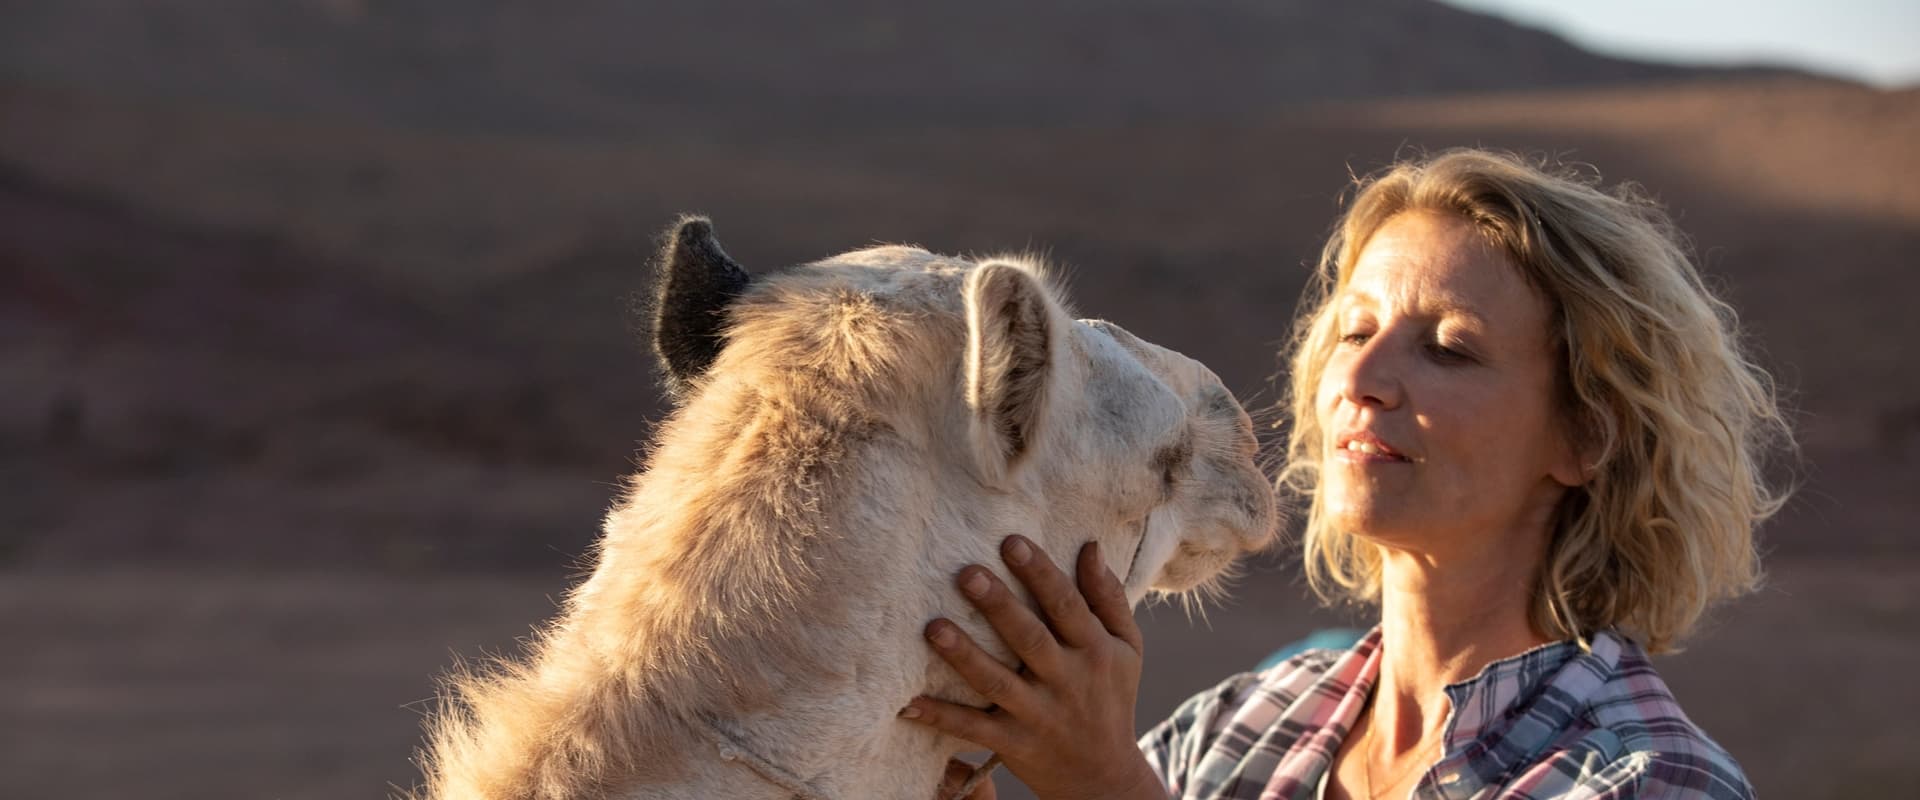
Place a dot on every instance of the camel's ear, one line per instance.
(1012, 334)
(694, 284)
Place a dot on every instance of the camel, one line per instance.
(847, 435)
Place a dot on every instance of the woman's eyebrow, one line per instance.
(1446, 307)
(1350, 297)
(1433, 305)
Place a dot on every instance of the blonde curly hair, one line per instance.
(1672, 417)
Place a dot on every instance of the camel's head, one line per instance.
(1026, 420)
(1197, 500)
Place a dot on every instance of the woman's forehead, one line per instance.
(1434, 264)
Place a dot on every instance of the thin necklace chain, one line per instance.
(1366, 758)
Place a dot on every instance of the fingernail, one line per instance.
(975, 584)
(942, 636)
(1018, 553)
(910, 712)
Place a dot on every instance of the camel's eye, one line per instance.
(1221, 404)
(1170, 461)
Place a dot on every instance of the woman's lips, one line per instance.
(1356, 457)
(1364, 448)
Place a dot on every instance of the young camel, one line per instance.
(849, 433)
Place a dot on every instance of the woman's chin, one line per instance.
(1376, 522)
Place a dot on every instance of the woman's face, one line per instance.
(1437, 401)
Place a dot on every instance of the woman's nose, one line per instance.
(1370, 375)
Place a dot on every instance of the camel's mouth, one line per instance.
(1158, 539)
(1139, 546)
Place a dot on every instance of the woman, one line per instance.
(1526, 431)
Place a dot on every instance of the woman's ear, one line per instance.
(1578, 456)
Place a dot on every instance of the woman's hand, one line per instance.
(1064, 726)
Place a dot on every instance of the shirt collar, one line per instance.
(1514, 708)
(1502, 688)
(1518, 706)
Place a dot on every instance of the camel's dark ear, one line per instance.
(695, 283)
(1012, 334)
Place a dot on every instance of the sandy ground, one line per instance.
(177, 684)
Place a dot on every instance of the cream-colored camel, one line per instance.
(849, 434)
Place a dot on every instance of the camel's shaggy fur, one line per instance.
(850, 434)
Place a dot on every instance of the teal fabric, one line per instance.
(1323, 639)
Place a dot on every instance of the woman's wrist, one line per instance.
(1140, 783)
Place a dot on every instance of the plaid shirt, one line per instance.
(1555, 721)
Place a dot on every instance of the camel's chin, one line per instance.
(1163, 563)
(1191, 570)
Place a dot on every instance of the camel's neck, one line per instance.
(821, 706)
(836, 733)
(772, 574)
(829, 727)
(826, 745)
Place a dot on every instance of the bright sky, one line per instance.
(1877, 41)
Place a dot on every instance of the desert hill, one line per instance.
(606, 67)
(485, 279)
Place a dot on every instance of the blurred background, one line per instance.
(319, 366)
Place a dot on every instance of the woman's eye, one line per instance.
(1355, 338)
(1448, 355)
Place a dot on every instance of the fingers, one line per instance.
(971, 724)
(1055, 594)
(1107, 597)
(1030, 639)
(992, 679)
